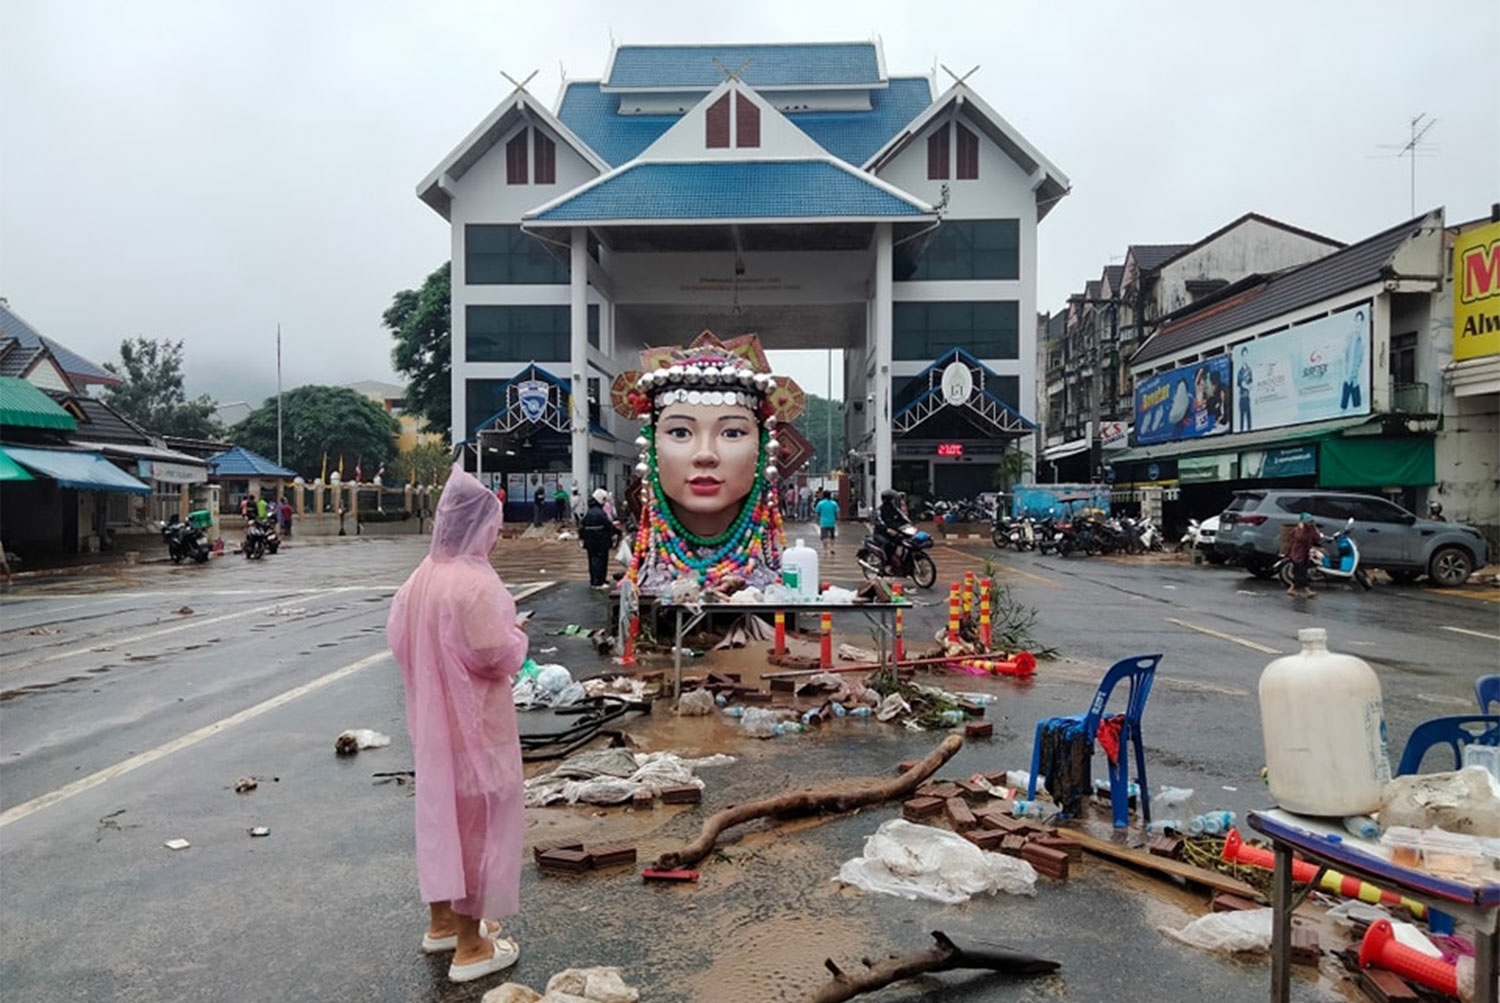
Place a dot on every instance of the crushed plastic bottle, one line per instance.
(1362, 826)
(1165, 825)
(1021, 780)
(735, 711)
(1021, 809)
(860, 711)
(1211, 823)
(951, 718)
(839, 710)
(1132, 790)
(721, 699)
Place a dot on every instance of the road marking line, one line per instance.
(135, 762)
(1223, 636)
(110, 645)
(1473, 633)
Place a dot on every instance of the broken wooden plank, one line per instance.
(1141, 858)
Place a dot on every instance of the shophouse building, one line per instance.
(801, 192)
(1340, 373)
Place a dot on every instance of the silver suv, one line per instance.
(1388, 536)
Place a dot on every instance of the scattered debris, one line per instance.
(185, 611)
(245, 785)
(922, 862)
(616, 776)
(401, 777)
(1248, 930)
(42, 631)
(575, 985)
(177, 844)
(355, 739)
(259, 830)
(660, 874)
(807, 802)
(946, 956)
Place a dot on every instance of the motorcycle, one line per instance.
(906, 558)
(257, 538)
(1339, 561)
(1008, 532)
(273, 538)
(1046, 533)
(185, 540)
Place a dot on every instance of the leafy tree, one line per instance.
(335, 422)
(814, 423)
(428, 463)
(152, 395)
(1015, 464)
(421, 322)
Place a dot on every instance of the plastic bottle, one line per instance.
(861, 711)
(839, 710)
(951, 718)
(1021, 809)
(1164, 825)
(799, 571)
(1132, 790)
(1171, 797)
(1362, 826)
(1021, 780)
(1323, 721)
(735, 711)
(1211, 823)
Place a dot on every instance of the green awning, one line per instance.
(26, 406)
(10, 470)
(1208, 469)
(1376, 462)
(80, 471)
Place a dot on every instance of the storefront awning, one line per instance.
(1233, 442)
(1070, 448)
(1208, 469)
(1376, 462)
(10, 470)
(80, 471)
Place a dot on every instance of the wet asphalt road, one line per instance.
(125, 720)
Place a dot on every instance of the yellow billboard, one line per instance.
(1476, 293)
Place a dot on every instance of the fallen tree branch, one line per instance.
(806, 803)
(944, 957)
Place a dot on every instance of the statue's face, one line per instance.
(706, 456)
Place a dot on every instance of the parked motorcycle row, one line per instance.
(1086, 534)
(189, 540)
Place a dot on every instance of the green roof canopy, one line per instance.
(10, 470)
(24, 405)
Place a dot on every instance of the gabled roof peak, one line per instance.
(764, 66)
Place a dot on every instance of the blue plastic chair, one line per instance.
(1455, 732)
(1487, 691)
(1139, 671)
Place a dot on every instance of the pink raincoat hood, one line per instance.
(467, 521)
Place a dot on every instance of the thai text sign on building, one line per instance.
(1186, 403)
(1312, 372)
(1476, 293)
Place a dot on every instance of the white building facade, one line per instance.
(799, 192)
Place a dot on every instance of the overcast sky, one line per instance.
(204, 170)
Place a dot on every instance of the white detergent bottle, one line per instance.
(1323, 720)
(799, 571)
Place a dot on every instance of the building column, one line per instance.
(882, 333)
(578, 354)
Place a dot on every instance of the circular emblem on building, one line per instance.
(958, 383)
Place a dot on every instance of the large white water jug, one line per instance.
(799, 571)
(1323, 721)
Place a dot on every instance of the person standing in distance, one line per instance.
(828, 520)
(454, 633)
(1304, 538)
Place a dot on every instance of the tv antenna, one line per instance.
(1415, 145)
(738, 73)
(957, 79)
(520, 85)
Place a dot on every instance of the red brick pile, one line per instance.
(570, 856)
(968, 808)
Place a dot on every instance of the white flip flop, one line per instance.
(505, 955)
(437, 945)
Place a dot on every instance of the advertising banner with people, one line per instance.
(1186, 403)
(1312, 372)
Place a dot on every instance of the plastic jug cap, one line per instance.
(1317, 636)
(799, 541)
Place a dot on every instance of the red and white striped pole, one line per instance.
(984, 613)
(899, 646)
(954, 602)
(825, 659)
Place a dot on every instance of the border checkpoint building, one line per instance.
(798, 191)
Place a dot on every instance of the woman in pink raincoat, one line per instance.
(453, 631)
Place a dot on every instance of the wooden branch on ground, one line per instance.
(946, 956)
(806, 803)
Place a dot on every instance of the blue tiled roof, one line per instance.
(835, 64)
(242, 462)
(593, 117)
(853, 137)
(12, 326)
(732, 190)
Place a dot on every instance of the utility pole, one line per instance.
(278, 393)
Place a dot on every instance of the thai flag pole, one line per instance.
(278, 393)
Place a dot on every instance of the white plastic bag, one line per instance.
(622, 554)
(1246, 930)
(696, 703)
(922, 862)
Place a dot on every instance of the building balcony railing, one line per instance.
(1409, 398)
